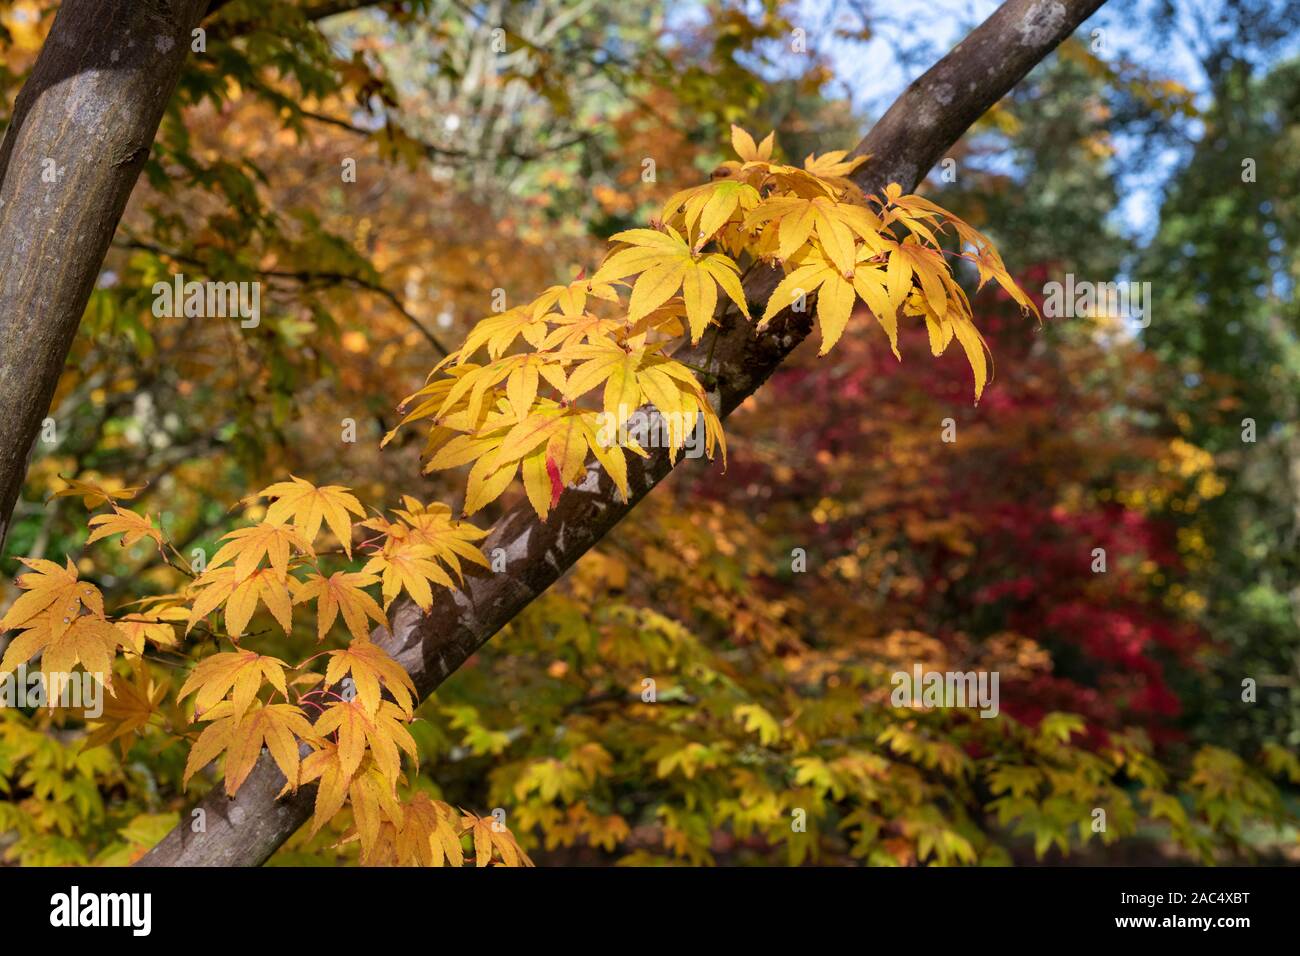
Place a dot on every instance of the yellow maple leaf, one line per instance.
(491, 836)
(128, 707)
(666, 264)
(241, 597)
(239, 673)
(46, 585)
(341, 591)
(156, 623)
(429, 834)
(95, 493)
(745, 148)
(267, 539)
(132, 526)
(411, 566)
(86, 639)
(278, 727)
(381, 733)
(370, 667)
(307, 506)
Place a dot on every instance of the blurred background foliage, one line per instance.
(496, 144)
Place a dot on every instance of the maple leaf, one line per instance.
(410, 565)
(571, 299)
(307, 506)
(916, 211)
(341, 591)
(324, 764)
(832, 166)
(471, 390)
(128, 707)
(49, 585)
(86, 639)
(666, 265)
(241, 597)
(630, 379)
(490, 836)
(132, 526)
(706, 209)
(278, 727)
(370, 666)
(429, 834)
(432, 396)
(50, 615)
(433, 524)
(239, 673)
(498, 332)
(381, 733)
(554, 460)
(835, 296)
(745, 148)
(572, 330)
(340, 779)
(553, 446)
(525, 377)
(157, 624)
(269, 539)
(834, 224)
(95, 493)
(374, 805)
(911, 259)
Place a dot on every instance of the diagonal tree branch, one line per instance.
(926, 120)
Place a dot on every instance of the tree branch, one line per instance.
(79, 136)
(929, 117)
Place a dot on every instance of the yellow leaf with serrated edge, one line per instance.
(237, 673)
(246, 547)
(95, 493)
(371, 668)
(278, 727)
(133, 527)
(306, 507)
(341, 591)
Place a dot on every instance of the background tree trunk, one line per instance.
(81, 130)
(926, 120)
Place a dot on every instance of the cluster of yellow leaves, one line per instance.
(427, 832)
(423, 547)
(519, 411)
(832, 240)
(345, 729)
(62, 619)
(497, 416)
(358, 736)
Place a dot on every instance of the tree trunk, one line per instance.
(81, 130)
(926, 120)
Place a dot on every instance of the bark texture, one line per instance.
(81, 130)
(930, 116)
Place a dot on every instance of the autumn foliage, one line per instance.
(712, 683)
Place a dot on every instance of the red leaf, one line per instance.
(557, 486)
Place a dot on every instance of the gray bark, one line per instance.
(81, 130)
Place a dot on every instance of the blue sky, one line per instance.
(910, 35)
(872, 76)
